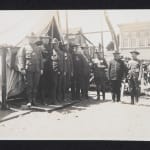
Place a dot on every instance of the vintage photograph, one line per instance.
(75, 74)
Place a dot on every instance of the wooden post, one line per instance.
(52, 32)
(4, 81)
(67, 27)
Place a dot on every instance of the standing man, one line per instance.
(116, 73)
(78, 64)
(86, 71)
(44, 87)
(31, 66)
(67, 69)
(134, 76)
(58, 60)
(99, 68)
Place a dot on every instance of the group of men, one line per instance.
(117, 71)
(51, 68)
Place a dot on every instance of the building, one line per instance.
(135, 36)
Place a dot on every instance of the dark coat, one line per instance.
(116, 70)
(78, 65)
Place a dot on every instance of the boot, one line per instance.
(103, 96)
(34, 103)
(98, 97)
(113, 97)
(137, 99)
(132, 100)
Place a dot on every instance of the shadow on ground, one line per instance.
(82, 105)
(5, 113)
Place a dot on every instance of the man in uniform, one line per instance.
(31, 66)
(134, 76)
(99, 67)
(44, 87)
(57, 62)
(67, 69)
(116, 72)
(78, 65)
(86, 71)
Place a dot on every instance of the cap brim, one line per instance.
(135, 53)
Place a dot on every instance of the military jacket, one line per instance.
(30, 58)
(135, 68)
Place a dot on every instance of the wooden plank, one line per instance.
(4, 81)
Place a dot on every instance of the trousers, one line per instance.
(32, 82)
(100, 86)
(116, 89)
(134, 89)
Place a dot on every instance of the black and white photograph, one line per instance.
(75, 74)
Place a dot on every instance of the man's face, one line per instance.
(74, 49)
(31, 40)
(45, 41)
(55, 46)
(41, 47)
(116, 56)
(66, 46)
(95, 55)
(134, 55)
(101, 55)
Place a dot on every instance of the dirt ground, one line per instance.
(89, 119)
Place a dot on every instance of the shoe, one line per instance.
(98, 97)
(29, 104)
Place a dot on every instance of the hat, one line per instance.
(38, 42)
(65, 42)
(75, 44)
(54, 40)
(33, 39)
(135, 51)
(84, 45)
(45, 37)
(116, 52)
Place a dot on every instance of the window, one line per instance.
(125, 34)
(125, 43)
(133, 34)
(133, 43)
(142, 42)
(148, 42)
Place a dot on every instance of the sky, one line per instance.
(93, 20)
(15, 24)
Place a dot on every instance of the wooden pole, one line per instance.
(52, 32)
(102, 44)
(4, 81)
(67, 26)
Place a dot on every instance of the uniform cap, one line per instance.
(84, 45)
(65, 42)
(75, 44)
(135, 51)
(116, 52)
(54, 41)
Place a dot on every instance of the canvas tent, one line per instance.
(38, 22)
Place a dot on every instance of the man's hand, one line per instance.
(139, 79)
(41, 72)
(58, 72)
(65, 73)
(23, 71)
(71, 74)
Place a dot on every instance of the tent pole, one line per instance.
(4, 81)
(52, 34)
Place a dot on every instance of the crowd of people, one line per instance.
(52, 70)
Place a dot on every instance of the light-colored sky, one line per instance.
(93, 20)
(16, 23)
